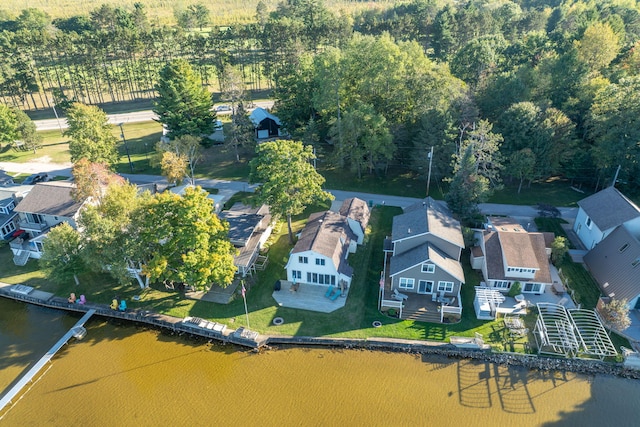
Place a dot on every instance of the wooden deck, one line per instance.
(308, 297)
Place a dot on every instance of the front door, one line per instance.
(425, 287)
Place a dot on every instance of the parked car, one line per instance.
(223, 108)
(36, 178)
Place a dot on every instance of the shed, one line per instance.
(266, 124)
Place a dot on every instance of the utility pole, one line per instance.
(615, 178)
(126, 147)
(430, 155)
(53, 105)
(314, 158)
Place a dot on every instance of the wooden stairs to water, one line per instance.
(421, 314)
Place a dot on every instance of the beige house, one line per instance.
(506, 253)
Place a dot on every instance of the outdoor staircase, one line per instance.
(21, 258)
(421, 315)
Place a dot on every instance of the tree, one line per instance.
(183, 104)
(27, 133)
(598, 47)
(559, 248)
(467, 187)
(91, 180)
(485, 147)
(521, 165)
(362, 139)
(91, 135)
(8, 125)
(615, 314)
(61, 253)
(187, 150)
(184, 241)
(289, 183)
(241, 132)
(110, 241)
(174, 167)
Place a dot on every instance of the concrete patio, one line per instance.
(308, 297)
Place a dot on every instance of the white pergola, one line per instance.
(571, 332)
(486, 302)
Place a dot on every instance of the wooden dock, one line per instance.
(31, 373)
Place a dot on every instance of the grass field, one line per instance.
(161, 12)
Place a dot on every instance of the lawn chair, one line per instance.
(82, 299)
(399, 296)
(336, 295)
(329, 292)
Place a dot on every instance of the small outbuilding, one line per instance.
(266, 124)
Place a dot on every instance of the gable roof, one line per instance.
(259, 114)
(609, 208)
(5, 179)
(613, 269)
(430, 216)
(243, 221)
(421, 254)
(328, 234)
(356, 209)
(527, 250)
(50, 198)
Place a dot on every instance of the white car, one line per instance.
(223, 108)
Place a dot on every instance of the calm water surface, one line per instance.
(121, 376)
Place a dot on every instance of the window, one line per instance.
(319, 261)
(428, 268)
(445, 286)
(623, 247)
(303, 260)
(7, 229)
(296, 274)
(406, 283)
(501, 284)
(532, 287)
(588, 222)
(425, 287)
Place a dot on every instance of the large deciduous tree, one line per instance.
(185, 241)
(91, 135)
(17, 128)
(183, 104)
(61, 256)
(289, 183)
(187, 152)
(8, 125)
(92, 179)
(615, 314)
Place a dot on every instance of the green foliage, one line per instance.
(289, 183)
(184, 106)
(91, 136)
(515, 289)
(559, 249)
(183, 241)
(241, 132)
(8, 125)
(61, 256)
(362, 139)
(29, 138)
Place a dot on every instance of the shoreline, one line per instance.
(258, 342)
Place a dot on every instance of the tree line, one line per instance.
(555, 80)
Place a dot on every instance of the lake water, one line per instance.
(126, 376)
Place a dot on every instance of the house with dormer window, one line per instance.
(507, 253)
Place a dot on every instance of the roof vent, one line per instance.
(408, 230)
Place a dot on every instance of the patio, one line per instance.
(308, 297)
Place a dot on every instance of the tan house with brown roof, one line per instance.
(507, 253)
(45, 206)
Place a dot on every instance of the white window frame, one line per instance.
(588, 223)
(445, 286)
(502, 284)
(406, 283)
(320, 261)
(303, 259)
(296, 274)
(430, 268)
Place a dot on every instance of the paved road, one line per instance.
(524, 214)
(132, 117)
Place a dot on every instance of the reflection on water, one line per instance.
(120, 375)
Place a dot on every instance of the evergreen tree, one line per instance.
(183, 104)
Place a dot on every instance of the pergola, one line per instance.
(486, 302)
(571, 332)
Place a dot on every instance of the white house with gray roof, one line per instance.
(601, 213)
(45, 206)
(425, 248)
